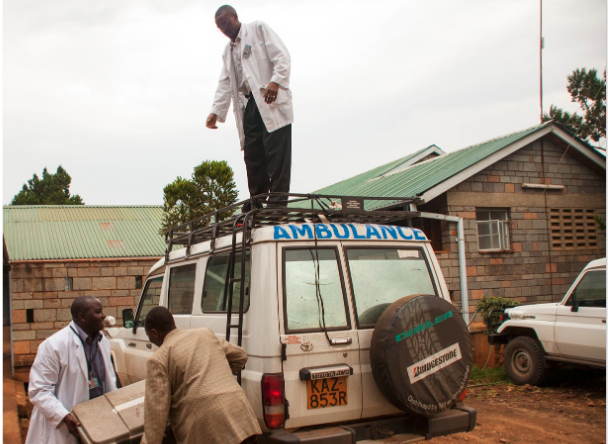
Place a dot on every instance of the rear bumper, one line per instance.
(406, 428)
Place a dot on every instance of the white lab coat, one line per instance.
(59, 381)
(268, 61)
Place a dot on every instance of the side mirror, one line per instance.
(128, 320)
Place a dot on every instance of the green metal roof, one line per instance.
(39, 232)
(420, 177)
(345, 187)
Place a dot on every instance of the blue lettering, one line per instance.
(280, 233)
(390, 230)
(372, 231)
(355, 234)
(419, 235)
(408, 235)
(305, 230)
(338, 235)
(322, 231)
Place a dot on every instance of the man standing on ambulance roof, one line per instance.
(255, 75)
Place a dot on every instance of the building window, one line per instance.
(573, 229)
(69, 284)
(138, 281)
(492, 229)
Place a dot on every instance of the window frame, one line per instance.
(569, 299)
(340, 265)
(248, 250)
(506, 224)
(140, 303)
(378, 247)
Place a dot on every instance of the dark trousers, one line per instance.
(267, 155)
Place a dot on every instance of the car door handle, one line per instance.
(341, 341)
(603, 321)
(148, 345)
(131, 344)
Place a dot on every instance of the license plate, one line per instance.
(328, 392)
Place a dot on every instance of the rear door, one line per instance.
(582, 333)
(321, 370)
(378, 276)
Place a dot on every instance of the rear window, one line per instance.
(313, 290)
(380, 276)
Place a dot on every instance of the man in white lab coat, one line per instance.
(71, 366)
(255, 76)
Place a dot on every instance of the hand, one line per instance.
(271, 92)
(71, 422)
(211, 121)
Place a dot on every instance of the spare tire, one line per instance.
(421, 354)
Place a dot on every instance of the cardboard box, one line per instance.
(115, 418)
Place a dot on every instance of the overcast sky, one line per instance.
(117, 91)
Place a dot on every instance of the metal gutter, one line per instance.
(101, 259)
(462, 260)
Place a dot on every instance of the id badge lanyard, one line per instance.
(93, 382)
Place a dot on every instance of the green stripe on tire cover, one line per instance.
(427, 336)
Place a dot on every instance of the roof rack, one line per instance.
(285, 208)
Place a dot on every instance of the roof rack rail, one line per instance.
(285, 208)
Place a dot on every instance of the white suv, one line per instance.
(348, 323)
(572, 331)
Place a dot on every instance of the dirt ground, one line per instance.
(569, 408)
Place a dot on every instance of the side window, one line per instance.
(216, 290)
(181, 289)
(150, 299)
(591, 290)
(313, 290)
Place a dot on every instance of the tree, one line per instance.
(52, 189)
(589, 92)
(211, 188)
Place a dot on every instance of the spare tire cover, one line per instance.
(421, 354)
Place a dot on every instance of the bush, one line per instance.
(494, 303)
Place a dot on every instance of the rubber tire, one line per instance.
(525, 361)
(392, 356)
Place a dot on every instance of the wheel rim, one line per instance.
(522, 362)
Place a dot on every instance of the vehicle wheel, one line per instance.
(421, 354)
(524, 361)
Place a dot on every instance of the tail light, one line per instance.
(273, 399)
(462, 395)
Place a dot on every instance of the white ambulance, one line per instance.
(344, 314)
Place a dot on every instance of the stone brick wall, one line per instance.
(532, 271)
(39, 293)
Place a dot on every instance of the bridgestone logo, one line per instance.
(434, 363)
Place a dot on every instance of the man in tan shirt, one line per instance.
(190, 382)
